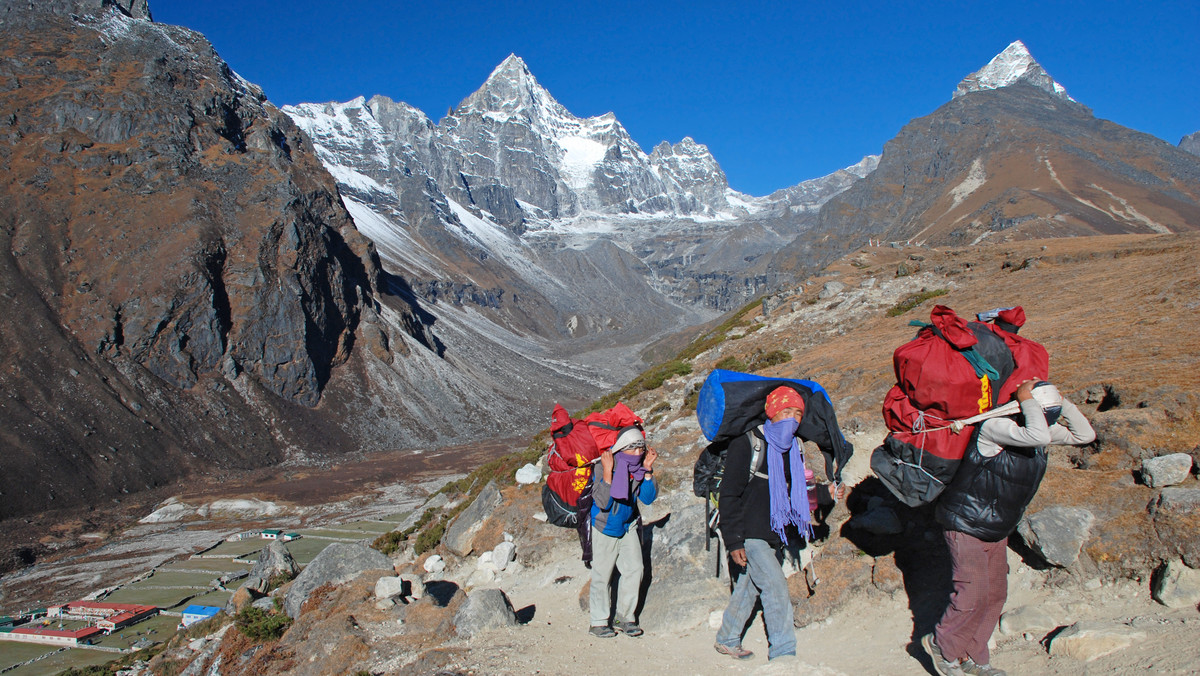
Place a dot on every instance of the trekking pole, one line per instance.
(707, 532)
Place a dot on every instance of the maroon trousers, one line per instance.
(980, 573)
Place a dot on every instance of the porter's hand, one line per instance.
(738, 556)
(606, 462)
(648, 461)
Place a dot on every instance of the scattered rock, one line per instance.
(434, 564)
(239, 508)
(830, 290)
(529, 474)
(1038, 620)
(1087, 641)
(385, 604)
(503, 554)
(389, 587)
(337, 563)
(1057, 533)
(480, 578)
(484, 609)
(240, 599)
(1176, 586)
(460, 534)
(1166, 470)
(266, 603)
(886, 576)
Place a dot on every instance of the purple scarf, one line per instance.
(627, 467)
(787, 506)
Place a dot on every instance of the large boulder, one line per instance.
(460, 535)
(484, 609)
(274, 560)
(1057, 534)
(337, 563)
(1176, 513)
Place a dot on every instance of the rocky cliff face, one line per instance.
(1191, 143)
(1015, 159)
(182, 290)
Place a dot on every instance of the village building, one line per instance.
(109, 617)
(193, 614)
(60, 637)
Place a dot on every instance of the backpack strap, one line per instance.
(758, 447)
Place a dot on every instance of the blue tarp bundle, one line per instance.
(731, 403)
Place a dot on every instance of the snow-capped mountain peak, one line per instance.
(510, 90)
(1014, 64)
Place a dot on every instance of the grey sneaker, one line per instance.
(603, 631)
(940, 664)
(628, 628)
(969, 666)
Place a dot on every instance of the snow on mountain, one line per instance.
(1014, 64)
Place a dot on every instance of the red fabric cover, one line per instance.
(577, 443)
(1013, 315)
(935, 377)
(1032, 362)
(899, 415)
(606, 425)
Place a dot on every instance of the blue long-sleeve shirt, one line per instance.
(613, 517)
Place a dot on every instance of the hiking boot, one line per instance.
(603, 631)
(969, 666)
(629, 628)
(940, 664)
(737, 652)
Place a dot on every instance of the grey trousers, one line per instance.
(624, 554)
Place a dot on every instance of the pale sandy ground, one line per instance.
(867, 636)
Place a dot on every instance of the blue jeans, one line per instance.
(763, 580)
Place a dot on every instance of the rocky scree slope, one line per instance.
(877, 560)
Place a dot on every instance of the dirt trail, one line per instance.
(869, 635)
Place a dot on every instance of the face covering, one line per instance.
(789, 505)
(626, 468)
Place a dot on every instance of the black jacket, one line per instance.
(989, 495)
(745, 499)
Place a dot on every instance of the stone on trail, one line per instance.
(338, 563)
(1057, 534)
(790, 665)
(484, 609)
(1087, 641)
(1177, 586)
(1166, 470)
(460, 534)
(1038, 620)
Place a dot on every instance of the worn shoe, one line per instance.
(629, 628)
(969, 666)
(940, 664)
(737, 652)
(603, 631)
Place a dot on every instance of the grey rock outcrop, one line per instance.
(337, 563)
(459, 535)
(1176, 586)
(484, 609)
(1038, 620)
(1166, 470)
(1191, 143)
(1057, 534)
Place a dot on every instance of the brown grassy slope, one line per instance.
(1109, 310)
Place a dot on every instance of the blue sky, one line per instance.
(780, 92)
